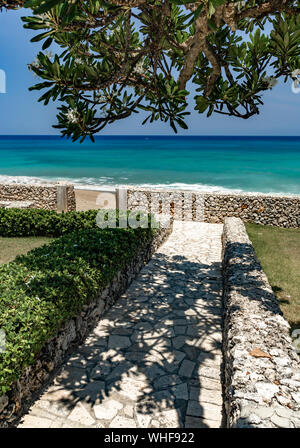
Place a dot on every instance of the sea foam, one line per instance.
(108, 184)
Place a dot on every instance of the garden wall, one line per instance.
(73, 333)
(261, 366)
(275, 210)
(58, 196)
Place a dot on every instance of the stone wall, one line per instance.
(262, 370)
(71, 335)
(274, 210)
(50, 196)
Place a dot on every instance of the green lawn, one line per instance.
(279, 253)
(11, 247)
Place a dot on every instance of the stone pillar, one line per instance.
(62, 200)
(121, 198)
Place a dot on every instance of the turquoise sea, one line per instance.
(258, 164)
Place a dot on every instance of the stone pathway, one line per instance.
(154, 360)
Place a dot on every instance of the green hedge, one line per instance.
(37, 222)
(40, 291)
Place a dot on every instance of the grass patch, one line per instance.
(11, 247)
(279, 253)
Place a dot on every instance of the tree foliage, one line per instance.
(121, 56)
(11, 4)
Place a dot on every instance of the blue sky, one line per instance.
(22, 114)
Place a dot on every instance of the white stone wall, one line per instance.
(275, 210)
(50, 196)
(261, 365)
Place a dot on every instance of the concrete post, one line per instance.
(121, 198)
(62, 200)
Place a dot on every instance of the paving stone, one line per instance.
(122, 422)
(191, 352)
(131, 389)
(99, 425)
(143, 326)
(71, 377)
(155, 424)
(160, 330)
(154, 358)
(206, 395)
(59, 408)
(181, 391)
(118, 342)
(195, 422)
(207, 423)
(92, 353)
(58, 393)
(190, 312)
(31, 421)
(100, 371)
(194, 330)
(77, 361)
(169, 419)
(179, 329)
(160, 344)
(107, 410)
(163, 399)
(213, 360)
(179, 341)
(186, 368)
(205, 410)
(128, 411)
(92, 392)
(154, 371)
(81, 415)
(70, 424)
(205, 344)
(122, 331)
(206, 383)
(180, 322)
(166, 381)
(173, 359)
(143, 420)
(135, 355)
(209, 372)
(37, 411)
(120, 370)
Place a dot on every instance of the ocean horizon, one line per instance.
(265, 164)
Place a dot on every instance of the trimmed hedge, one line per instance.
(38, 222)
(40, 291)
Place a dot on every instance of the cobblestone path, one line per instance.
(154, 360)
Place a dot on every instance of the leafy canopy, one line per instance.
(121, 56)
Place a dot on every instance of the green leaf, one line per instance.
(47, 43)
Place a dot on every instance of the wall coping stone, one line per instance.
(135, 188)
(267, 209)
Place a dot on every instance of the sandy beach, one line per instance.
(94, 200)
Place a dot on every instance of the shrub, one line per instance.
(40, 291)
(37, 222)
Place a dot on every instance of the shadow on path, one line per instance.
(154, 360)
